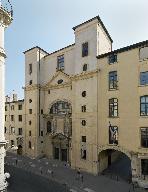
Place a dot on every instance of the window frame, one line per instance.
(85, 67)
(30, 68)
(60, 62)
(12, 117)
(145, 106)
(113, 80)
(20, 106)
(20, 131)
(83, 108)
(142, 169)
(145, 81)
(112, 60)
(83, 139)
(83, 155)
(85, 49)
(144, 140)
(112, 106)
(20, 118)
(29, 145)
(30, 111)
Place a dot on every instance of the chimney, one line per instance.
(14, 97)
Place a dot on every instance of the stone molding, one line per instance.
(117, 148)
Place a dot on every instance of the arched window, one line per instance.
(49, 128)
(60, 107)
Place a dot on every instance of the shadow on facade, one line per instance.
(115, 164)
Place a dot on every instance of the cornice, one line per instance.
(84, 75)
(32, 87)
(57, 86)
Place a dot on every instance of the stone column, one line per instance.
(5, 20)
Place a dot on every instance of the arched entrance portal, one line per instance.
(115, 162)
(59, 129)
(20, 150)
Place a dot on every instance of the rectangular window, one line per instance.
(144, 137)
(113, 135)
(143, 53)
(113, 80)
(30, 111)
(30, 69)
(144, 78)
(30, 82)
(12, 107)
(112, 58)
(19, 107)
(5, 108)
(83, 154)
(12, 117)
(42, 133)
(29, 133)
(29, 145)
(20, 117)
(5, 130)
(144, 105)
(83, 108)
(85, 49)
(144, 166)
(20, 131)
(83, 139)
(5, 117)
(12, 143)
(12, 130)
(113, 107)
(60, 62)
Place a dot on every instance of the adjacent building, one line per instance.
(14, 124)
(87, 104)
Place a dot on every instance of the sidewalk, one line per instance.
(62, 173)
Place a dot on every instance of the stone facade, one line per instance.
(14, 124)
(84, 103)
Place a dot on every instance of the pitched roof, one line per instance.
(100, 21)
(60, 49)
(123, 49)
(35, 48)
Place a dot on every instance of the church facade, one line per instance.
(86, 103)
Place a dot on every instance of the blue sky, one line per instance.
(48, 24)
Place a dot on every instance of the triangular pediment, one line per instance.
(59, 78)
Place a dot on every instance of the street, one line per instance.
(23, 181)
(41, 175)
